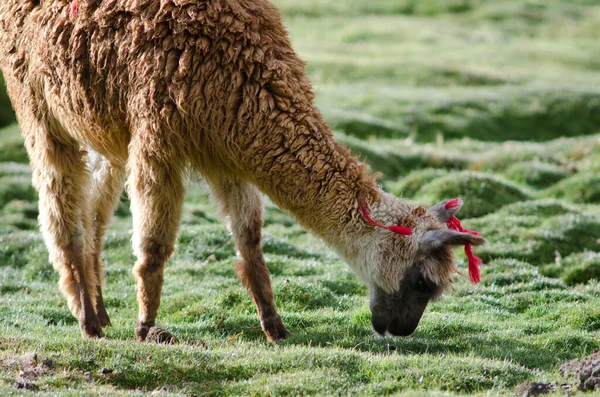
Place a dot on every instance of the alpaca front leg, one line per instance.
(156, 192)
(242, 204)
(254, 275)
(149, 270)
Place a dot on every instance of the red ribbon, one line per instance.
(453, 224)
(74, 9)
(403, 230)
(474, 261)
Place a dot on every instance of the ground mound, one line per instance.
(585, 372)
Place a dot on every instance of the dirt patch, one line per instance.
(159, 335)
(586, 372)
(581, 374)
(31, 374)
(30, 368)
(529, 389)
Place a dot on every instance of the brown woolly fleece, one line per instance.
(158, 88)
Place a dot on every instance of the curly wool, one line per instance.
(216, 82)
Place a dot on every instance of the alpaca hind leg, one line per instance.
(61, 177)
(241, 202)
(107, 185)
(156, 192)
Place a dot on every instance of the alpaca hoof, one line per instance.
(274, 329)
(153, 334)
(104, 320)
(91, 328)
(103, 317)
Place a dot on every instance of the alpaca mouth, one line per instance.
(379, 326)
(401, 328)
(393, 328)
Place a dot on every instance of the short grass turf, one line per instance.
(496, 102)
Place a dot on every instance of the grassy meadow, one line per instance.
(497, 102)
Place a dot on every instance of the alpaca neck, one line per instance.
(307, 173)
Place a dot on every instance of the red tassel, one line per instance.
(403, 230)
(474, 261)
(457, 202)
(74, 9)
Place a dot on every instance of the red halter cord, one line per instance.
(454, 224)
(74, 9)
(403, 230)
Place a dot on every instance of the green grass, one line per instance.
(6, 113)
(496, 102)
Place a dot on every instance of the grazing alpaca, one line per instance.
(159, 88)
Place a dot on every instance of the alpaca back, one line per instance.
(195, 76)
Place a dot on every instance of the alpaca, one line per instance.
(140, 93)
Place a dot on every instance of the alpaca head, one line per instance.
(404, 272)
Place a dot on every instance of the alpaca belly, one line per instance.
(98, 130)
(106, 140)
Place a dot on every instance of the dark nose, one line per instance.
(380, 324)
(402, 328)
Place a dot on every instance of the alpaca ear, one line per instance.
(446, 209)
(433, 240)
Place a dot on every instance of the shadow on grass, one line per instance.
(537, 352)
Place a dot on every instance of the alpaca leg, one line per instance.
(61, 177)
(156, 192)
(107, 186)
(241, 202)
